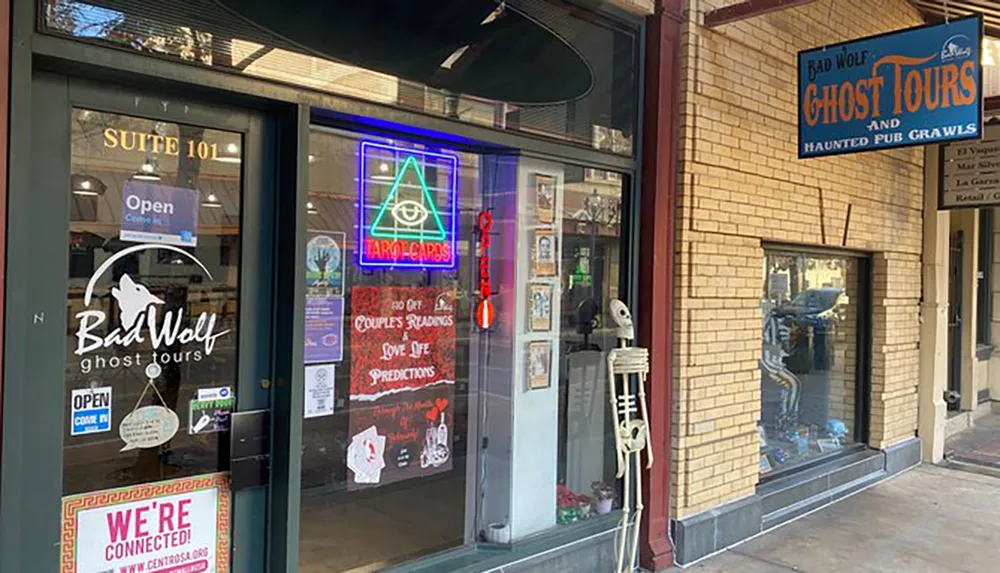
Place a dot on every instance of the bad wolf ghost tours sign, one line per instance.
(142, 319)
(912, 87)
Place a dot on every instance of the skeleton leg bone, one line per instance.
(623, 536)
(634, 555)
(625, 425)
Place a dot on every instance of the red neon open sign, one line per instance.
(485, 312)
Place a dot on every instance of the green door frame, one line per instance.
(36, 320)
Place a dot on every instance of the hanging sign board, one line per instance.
(971, 175)
(913, 87)
(172, 526)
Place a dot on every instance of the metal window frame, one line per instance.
(864, 343)
(293, 110)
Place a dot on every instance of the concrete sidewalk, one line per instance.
(928, 520)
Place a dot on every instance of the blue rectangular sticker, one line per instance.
(154, 213)
(90, 411)
(913, 87)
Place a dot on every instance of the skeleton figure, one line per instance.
(631, 429)
(772, 363)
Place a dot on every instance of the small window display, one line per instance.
(808, 359)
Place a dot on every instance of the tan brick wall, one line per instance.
(742, 184)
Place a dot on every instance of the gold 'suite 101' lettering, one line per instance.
(160, 144)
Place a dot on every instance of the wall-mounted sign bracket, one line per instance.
(748, 9)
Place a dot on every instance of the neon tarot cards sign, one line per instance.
(407, 207)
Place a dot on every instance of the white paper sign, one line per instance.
(148, 427)
(171, 533)
(319, 394)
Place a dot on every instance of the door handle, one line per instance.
(249, 449)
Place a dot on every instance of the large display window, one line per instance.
(455, 349)
(813, 355)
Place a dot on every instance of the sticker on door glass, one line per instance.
(211, 414)
(145, 321)
(91, 411)
(221, 393)
(159, 214)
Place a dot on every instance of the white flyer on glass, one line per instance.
(319, 393)
(160, 533)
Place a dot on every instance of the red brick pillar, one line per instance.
(656, 269)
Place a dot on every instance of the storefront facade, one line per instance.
(326, 292)
(798, 295)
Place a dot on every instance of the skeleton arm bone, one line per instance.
(645, 417)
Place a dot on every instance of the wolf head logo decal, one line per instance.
(133, 299)
(142, 317)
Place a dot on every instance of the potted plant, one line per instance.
(584, 507)
(604, 495)
(566, 511)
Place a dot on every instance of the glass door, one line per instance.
(159, 230)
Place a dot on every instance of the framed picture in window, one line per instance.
(539, 307)
(545, 198)
(545, 253)
(539, 364)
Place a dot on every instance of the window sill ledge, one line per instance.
(487, 557)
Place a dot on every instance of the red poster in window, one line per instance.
(402, 381)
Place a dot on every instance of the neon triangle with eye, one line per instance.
(395, 233)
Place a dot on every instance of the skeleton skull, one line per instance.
(623, 318)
